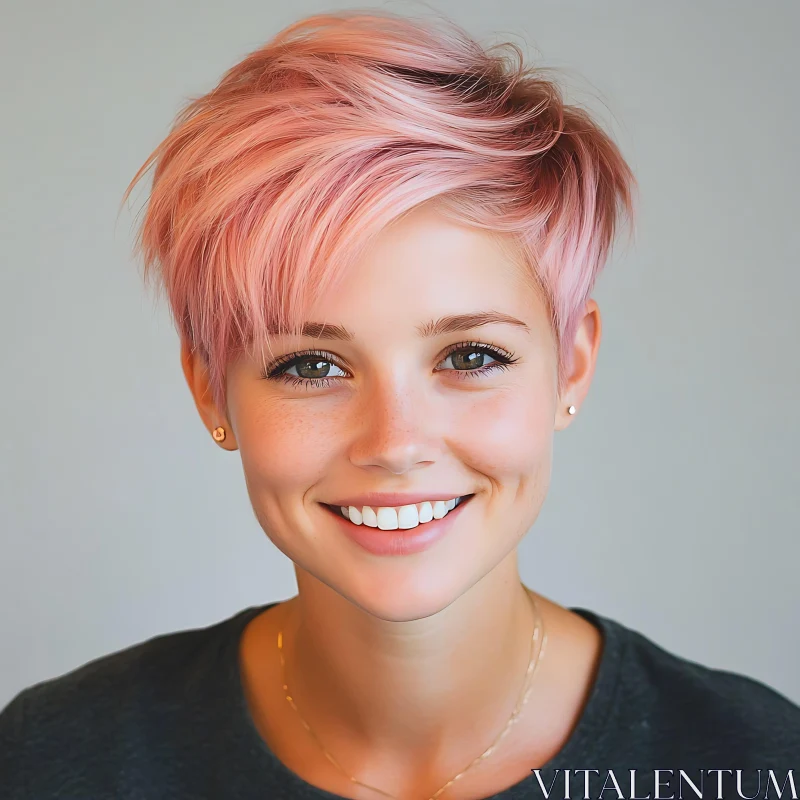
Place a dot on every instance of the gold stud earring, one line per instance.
(571, 410)
(219, 434)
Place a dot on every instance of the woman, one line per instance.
(379, 242)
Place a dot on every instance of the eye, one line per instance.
(311, 368)
(468, 359)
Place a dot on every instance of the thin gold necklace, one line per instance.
(533, 662)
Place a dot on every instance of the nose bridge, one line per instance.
(394, 421)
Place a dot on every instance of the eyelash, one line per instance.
(277, 370)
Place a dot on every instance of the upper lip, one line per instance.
(377, 499)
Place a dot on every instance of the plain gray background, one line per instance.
(674, 500)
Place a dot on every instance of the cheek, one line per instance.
(506, 435)
(284, 452)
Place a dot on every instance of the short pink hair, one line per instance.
(270, 184)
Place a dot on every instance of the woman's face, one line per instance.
(391, 410)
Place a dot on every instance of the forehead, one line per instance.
(425, 265)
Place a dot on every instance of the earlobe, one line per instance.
(561, 422)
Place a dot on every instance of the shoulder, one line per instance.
(676, 704)
(105, 713)
(126, 677)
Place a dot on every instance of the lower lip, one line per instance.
(400, 542)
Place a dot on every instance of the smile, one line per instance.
(390, 518)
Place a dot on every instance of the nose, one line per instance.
(396, 428)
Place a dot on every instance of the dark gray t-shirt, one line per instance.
(167, 719)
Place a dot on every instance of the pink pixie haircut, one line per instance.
(270, 184)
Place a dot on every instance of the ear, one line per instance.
(585, 348)
(196, 373)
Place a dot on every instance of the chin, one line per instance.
(414, 592)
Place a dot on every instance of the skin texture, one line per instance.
(407, 667)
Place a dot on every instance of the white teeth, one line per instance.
(402, 517)
(439, 509)
(387, 519)
(425, 512)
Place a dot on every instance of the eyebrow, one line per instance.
(449, 324)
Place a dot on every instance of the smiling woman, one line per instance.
(379, 242)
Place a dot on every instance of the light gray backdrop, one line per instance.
(674, 503)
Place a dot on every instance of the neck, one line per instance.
(409, 686)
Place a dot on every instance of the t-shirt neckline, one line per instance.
(585, 744)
